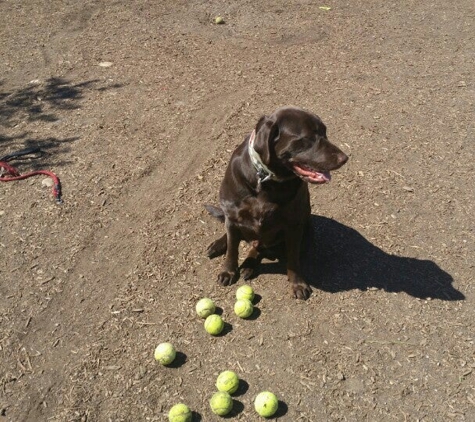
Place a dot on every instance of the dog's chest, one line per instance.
(256, 218)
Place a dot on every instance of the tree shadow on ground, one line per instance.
(41, 101)
(39, 160)
(337, 258)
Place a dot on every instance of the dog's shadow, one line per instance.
(337, 258)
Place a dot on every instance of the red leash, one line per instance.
(13, 174)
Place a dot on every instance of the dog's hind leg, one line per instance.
(218, 247)
(249, 266)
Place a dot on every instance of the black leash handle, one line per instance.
(28, 151)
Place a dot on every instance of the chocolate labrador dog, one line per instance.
(264, 195)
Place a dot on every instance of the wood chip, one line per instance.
(47, 280)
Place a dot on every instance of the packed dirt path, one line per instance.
(137, 107)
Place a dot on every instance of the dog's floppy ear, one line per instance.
(267, 132)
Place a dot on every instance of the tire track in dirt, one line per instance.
(86, 302)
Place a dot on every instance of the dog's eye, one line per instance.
(303, 144)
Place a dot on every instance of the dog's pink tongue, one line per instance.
(317, 177)
(311, 175)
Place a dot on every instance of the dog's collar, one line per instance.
(263, 172)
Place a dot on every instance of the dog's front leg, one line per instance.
(230, 268)
(293, 240)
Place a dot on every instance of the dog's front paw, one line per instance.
(226, 278)
(301, 290)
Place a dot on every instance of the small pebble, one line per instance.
(47, 182)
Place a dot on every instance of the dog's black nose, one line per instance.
(342, 158)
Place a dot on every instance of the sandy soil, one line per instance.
(137, 106)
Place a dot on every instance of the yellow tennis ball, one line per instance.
(245, 292)
(165, 353)
(221, 403)
(205, 307)
(227, 381)
(214, 324)
(266, 404)
(180, 413)
(243, 308)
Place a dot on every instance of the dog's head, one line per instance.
(292, 140)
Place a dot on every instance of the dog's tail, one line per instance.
(216, 212)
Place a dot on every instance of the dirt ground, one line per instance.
(138, 106)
